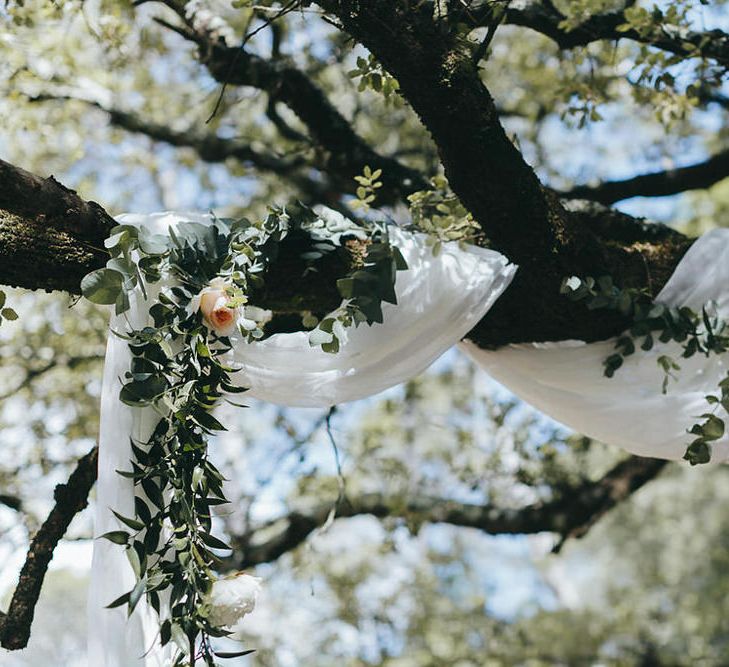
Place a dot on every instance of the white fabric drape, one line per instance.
(565, 380)
(114, 640)
(439, 300)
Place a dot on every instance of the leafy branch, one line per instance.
(695, 332)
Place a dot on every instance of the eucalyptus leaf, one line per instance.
(102, 286)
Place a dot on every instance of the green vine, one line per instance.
(198, 280)
(696, 332)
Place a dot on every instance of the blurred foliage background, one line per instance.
(647, 586)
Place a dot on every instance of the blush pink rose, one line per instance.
(212, 303)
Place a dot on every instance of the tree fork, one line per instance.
(519, 216)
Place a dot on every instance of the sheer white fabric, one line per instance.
(114, 640)
(565, 380)
(439, 300)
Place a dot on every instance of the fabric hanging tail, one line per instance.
(115, 640)
(565, 380)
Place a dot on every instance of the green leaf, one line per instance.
(122, 599)
(9, 314)
(698, 452)
(116, 536)
(152, 490)
(152, 244)
(142, 392)
(102, 286)
(213, 541)
(165, 632)
(136, 594)
(400, 263)
(713, 428)
(233, 654)
(345, 286)
(132, 523)
(133, 558)
(206, 420)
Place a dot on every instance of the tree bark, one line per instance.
(50, 238)
(440, 80)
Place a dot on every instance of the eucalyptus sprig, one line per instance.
(179, 369)
(696, 332)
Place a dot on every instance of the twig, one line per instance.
(498, 18)
(335, 449)
(70, 498)
(282, 12)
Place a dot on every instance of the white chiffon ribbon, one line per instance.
(439, 299)
(565, 380)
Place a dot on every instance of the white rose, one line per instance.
(232, 597)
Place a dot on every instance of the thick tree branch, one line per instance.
(344, 154)
(70, 498)
(571, 515)
(519, 216)
(442, 84)
(658, 184)
(546, 19)
(49, 237)
(211, 148)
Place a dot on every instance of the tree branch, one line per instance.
(545, 19)
(48, 227)
(344, 153)
(49, 237)
(570, 515)
(520, 217)
(658, 184)
(70, 498)
(442, 84)
(32, 374)
(211, 148)
(13, 502)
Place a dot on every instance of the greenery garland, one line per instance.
(696, 333)
(178, 368)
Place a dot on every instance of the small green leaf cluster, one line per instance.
(364, 289)
(372, 76)
(440, 214)
(178, 369)
(710, 429)
(697, 333)
(368, 184)
(6, 313)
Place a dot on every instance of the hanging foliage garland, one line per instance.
(703, 332)
(199, 281)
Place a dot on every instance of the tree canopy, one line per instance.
(528, 127)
